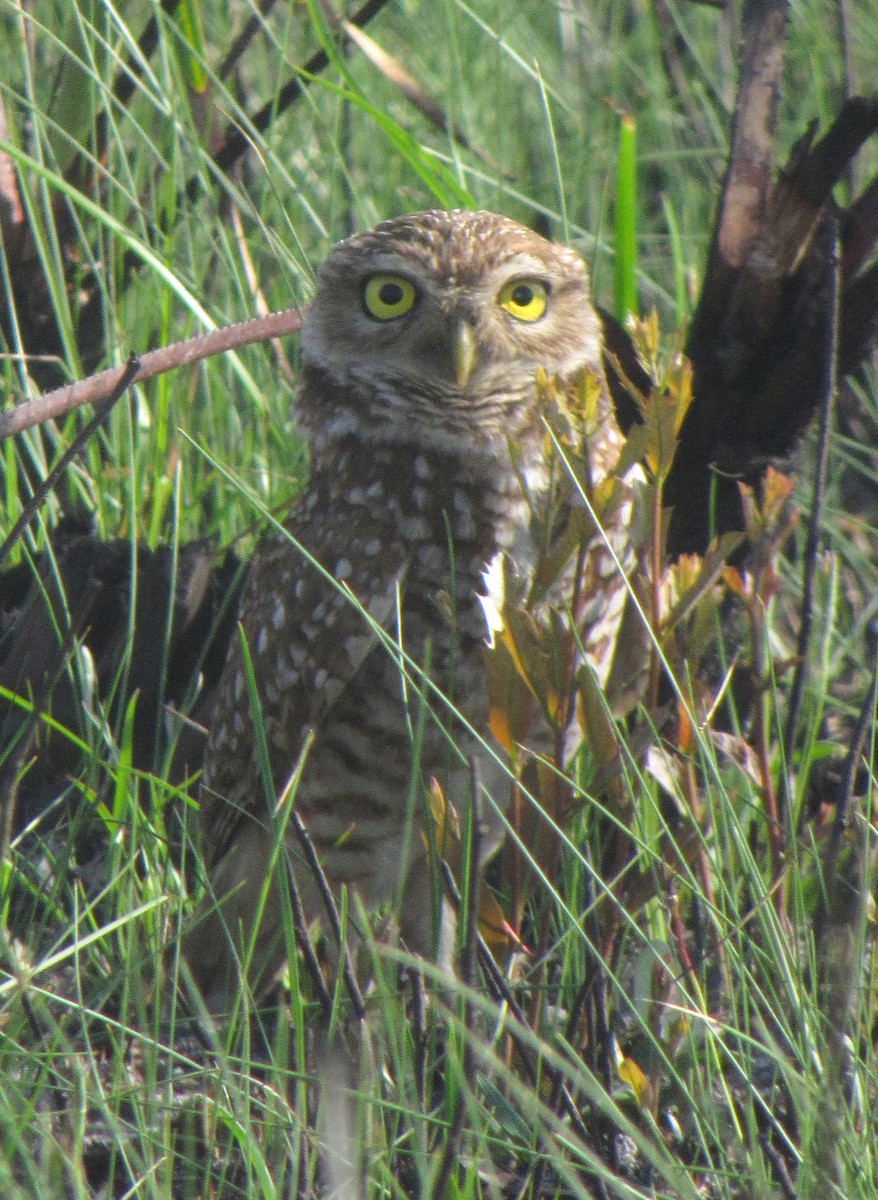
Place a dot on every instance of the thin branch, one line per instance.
(300, 926)
(34, 503)
(353, 989)
(96, 388)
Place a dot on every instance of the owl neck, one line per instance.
(477, 502)
(396, 419)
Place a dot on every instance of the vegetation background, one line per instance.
(725, 1048)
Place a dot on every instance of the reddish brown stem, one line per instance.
(98, 387)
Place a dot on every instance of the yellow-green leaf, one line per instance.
(629, 1072)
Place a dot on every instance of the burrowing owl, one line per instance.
(419, 358)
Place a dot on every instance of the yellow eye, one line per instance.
(386, 297)
(524, 299)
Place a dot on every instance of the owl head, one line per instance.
(430, 329)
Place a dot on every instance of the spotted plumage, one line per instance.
(366, 624)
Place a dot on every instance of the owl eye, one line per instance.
(386, 297)
(524, 299)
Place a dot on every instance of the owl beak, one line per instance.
(464, 350)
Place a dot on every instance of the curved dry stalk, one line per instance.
(95, 388)
(46, 485)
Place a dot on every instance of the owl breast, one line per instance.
(416, 707)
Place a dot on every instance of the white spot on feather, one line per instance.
(492, 601)
(413, 528)
(286, 677)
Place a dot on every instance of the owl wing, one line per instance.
(306, 637)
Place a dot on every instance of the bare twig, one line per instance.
(300, 925)
(96, 388)
(329, 905)
(47, 484)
